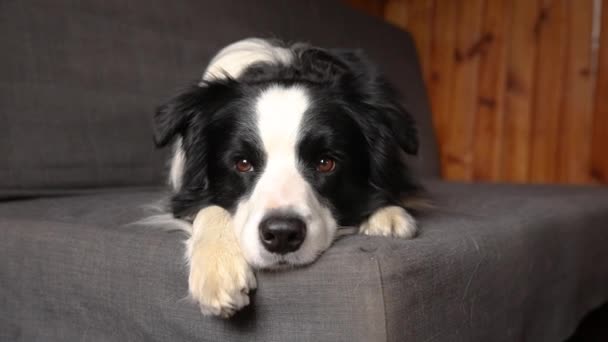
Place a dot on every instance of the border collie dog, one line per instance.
(275, 148)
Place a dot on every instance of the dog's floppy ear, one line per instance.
(401, 122)
(171, 118)
(201, 99)
(371, 87)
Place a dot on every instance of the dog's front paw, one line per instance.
(390, 221)
(220, 282)
(220, 277)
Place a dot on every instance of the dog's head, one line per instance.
(293, 141)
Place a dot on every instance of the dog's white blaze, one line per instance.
(280, 112)
(281, 186)
(231, 61)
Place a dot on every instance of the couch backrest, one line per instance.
(79, 80)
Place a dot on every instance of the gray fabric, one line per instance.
(499, 263)
(492, 263)
(79, 80)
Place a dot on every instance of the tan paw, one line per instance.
(220, 278)
(220, 285)
(390, 221)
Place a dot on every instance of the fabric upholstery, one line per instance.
(492, 263)
(79, 80)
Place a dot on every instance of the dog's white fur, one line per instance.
(221, 248)
(279, 112)
(235, 58)
(390, 221)
(177, 165)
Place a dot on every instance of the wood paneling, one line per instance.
(574, 143)
(550, 31)
(599, 159)
(487, 162)
(458, 153)
(439, 86)
(518, 88)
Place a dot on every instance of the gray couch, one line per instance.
(78, 83)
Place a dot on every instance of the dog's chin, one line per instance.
(275, 262)
(282, 265)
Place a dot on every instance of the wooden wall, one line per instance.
(518, 88)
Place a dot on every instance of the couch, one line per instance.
(79, 81)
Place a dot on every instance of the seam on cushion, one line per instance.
(381, 279)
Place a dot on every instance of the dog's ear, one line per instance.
(171, 118)
(401, 123)
(370, 87)
(199, 100)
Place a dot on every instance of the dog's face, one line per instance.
(294, 142)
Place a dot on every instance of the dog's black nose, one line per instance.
(280, 234)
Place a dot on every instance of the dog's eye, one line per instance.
(325, 165)
(243, 165)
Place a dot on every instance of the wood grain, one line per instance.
(575, 121)
(551, 34)
(521, 64)
(443, 42)
(459, 138)
(599, 146)
(518, 88)
(487, 148)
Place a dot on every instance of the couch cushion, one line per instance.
(492, 262)
(79, 80)
(73, 269)
(499, 263)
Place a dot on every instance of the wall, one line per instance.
(518, 88)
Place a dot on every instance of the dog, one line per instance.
(275, 149)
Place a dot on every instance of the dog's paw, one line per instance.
(220, 277)
(220, 282)
(390, 221)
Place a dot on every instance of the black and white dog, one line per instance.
(276, 148)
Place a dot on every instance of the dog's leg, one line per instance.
(220, 278)
(390, 221)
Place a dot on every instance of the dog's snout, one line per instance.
(281, 234)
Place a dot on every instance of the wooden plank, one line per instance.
(487, 148)
(458, 147)
(416, 17)
(551, 29)
(521, 64)
(574, 141)
(529, 109)
(599, 146)
(443, 40)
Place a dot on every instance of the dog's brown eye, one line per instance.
(326, 165)
(243, 165)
